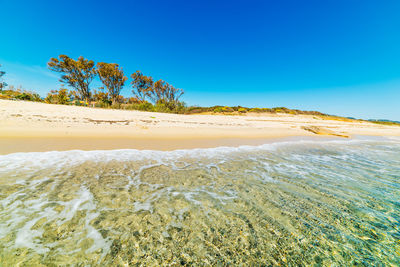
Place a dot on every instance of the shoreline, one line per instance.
(30, 126)
(41, 144)
(81, 144)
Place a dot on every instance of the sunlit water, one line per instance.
(295, 203)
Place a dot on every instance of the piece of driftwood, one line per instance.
(322, 131)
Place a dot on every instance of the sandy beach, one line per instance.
(31, 126)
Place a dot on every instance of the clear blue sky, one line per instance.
(340, 57)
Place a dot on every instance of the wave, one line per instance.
(60, 204)
(53, 159)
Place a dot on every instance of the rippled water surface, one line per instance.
(295, 203)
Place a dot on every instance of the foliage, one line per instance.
(217, 110)
(145, 106)
(164, 96)
(133, 100)
(142, 106)
(148, 95)
(242, 110)
(256, 110)
(226, 109)
(76, 73)
(386, 122)
(61, 96)
(101, 98)
(20, 94)
(196, 109)
(24, 96)
(164, 93)
(141, 84)
(112, 77)
(2, 84)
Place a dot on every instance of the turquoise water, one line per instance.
(295, 203)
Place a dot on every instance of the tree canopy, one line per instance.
(112, 77)
(165, 93)
(141, 84)
(158, 92)
(79, 74)
(2, 84)
(76, 73)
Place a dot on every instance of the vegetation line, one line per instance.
(147, 94)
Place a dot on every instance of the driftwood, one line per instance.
(322, 131)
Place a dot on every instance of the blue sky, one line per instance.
(338, 57)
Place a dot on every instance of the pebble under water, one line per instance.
(290, 203)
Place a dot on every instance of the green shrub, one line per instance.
(218, 110)
(161, 107)
(36, 97)
(242, 110)
(256, 110)
(116, 105)
(180, 107)
(24, 96)
(146, 106)
(20, 94)
(227, 109)
(281, 110)
(102, 104)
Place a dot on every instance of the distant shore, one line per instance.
(32, 126)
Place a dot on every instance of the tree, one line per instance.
(163, 92)
(58, 97)
(143, 85)
(112, 77)
(101, 97)
(2, 84)
(76, 73)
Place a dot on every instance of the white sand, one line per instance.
(30, 126)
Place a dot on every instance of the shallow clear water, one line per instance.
(295, 203)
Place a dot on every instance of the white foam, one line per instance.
(143, 206)
(59, 159)
(98, 241)
(26, 237)
(71, 207)
(394, 138)
(20, 216)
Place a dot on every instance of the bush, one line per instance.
(80, 103)
(101, 104)
(24, 96)
(160, 107)
(227, 109)
(281, 110)
(196, 109)
(268, 110)
(180, 107)
(256, 110)
(242, 110)
(20, 95)
(116, 106)
(218, 110)
(146, 106)
(58, 97)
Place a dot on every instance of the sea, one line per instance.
(288, 203)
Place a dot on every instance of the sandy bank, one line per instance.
(30, 126)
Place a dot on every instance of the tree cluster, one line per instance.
(2, 84)
(79, 73)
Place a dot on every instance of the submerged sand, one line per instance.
(31, 126)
